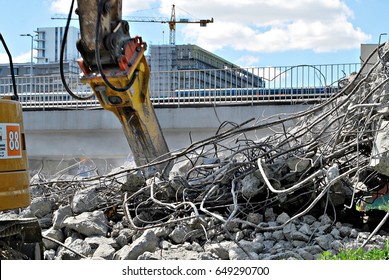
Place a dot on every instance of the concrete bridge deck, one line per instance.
(54, 136)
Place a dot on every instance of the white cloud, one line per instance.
(22, 58)
(3, 58)
(247, 61)
(271, 26)
(60, 6)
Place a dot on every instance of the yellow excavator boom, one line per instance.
(115, 67)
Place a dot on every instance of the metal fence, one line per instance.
(302, 83)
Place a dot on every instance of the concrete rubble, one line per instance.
(303, 239)
(291, 195)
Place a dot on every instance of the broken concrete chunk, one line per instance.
(121, 240)
(220, 249)
(78, 245)
(282, 218)
(237, 253)
(135, 181)
(85, 200)
(251, 186)
(60, 215)
(305, 229)
(270, 215)
(162, 232)
(147, 242)
(254, 218)
(49, 255)
(40, 207)
(165, 245)
(325, 219)
(309, 219)
(104, 251)
(305, 255)
(149, 256)
(54, 234)
(278, 235)
(299, 236)
(289, 230)
(345, 231)
(88, 223)
(96, 241)
(179, 234)
(289, 255)
(325, 241)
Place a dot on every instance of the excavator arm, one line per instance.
(114, 65)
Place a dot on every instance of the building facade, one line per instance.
(48, 44)
(43, 75)
(173, 70)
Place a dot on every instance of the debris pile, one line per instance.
(234, 197)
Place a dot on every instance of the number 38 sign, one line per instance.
(10, 144)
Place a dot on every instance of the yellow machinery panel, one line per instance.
(14, 175)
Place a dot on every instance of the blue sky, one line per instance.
(245, 32)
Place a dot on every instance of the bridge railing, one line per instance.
(234, 86)
(302, 83)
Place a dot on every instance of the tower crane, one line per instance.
(172, 22)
